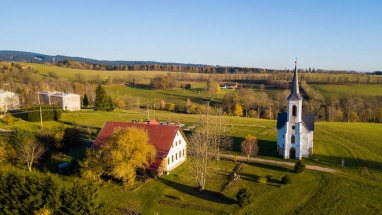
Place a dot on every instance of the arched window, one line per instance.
(293, 139)
(294, 110)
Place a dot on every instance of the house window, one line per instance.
(176, 156)
(172, 158)
(179, 142)
(176, 143)
(180, 154)
(293, 139)
(294, 110)
(168, 162)
(183, 152)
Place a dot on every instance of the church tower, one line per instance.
(295, 130)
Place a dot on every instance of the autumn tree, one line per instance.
(122, 153)
(249, 146)
(237, 110)
(228, 103)
(247, 99)
(29, 152)
(188, 105)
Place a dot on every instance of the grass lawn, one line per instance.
(356, 189)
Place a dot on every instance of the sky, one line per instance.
(337, 35)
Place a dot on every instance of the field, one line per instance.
(337, 90)
(354, 189)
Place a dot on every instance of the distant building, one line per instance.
(295, 130)
(170, 143)
(9, 101)
(66, 101)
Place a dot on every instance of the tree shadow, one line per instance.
(208, 195)
(255, 178)
(270, 167)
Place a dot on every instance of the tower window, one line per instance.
(293, 139)
(294, 110)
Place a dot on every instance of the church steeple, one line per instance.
(295, 92)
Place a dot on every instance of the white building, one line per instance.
(169, 141)
(9, 101)
(66, 101)
(295, 130)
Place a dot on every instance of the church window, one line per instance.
(293, 139)
(293, 127)
(294, 110)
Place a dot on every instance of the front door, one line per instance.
(292, 153)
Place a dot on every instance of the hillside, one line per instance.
(20, 56)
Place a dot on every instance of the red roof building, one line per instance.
(169, 141)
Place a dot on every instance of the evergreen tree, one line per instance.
(110, 105)
(101, 100)
(82, 198)
(85, 101)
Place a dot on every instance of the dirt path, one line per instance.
(261, 160)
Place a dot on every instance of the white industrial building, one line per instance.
(9, 101)
(66, 101)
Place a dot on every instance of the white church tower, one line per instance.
(295, 130)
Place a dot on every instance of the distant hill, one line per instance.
(20, 56)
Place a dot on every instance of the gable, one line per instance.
(161, 136)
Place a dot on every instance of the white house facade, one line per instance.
(295, 129)
(66, 101)
(9, 101)
(177, 154)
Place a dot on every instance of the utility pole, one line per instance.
(148, 110)
(41, 120)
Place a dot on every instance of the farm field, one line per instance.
(337, 90)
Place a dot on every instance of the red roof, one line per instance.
(152, 122)
(161, 136)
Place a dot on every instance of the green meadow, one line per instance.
(337, 90)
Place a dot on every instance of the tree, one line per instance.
(101, 100)
(244, 197)
(122, 153)
(286, 179)
(211, 87)
(29, 152)
(81, 198)
(188, 105)
(7, 119)
(71, 138)
(238, 110)
(162, 104)
(299, 167)
(249, 146)
(85, 101)
(228, 103)
(247, 99)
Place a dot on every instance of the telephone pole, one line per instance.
(41, 120)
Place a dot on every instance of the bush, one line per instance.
(299, 167)
(286, 179)
(262, 180)
(243, 197)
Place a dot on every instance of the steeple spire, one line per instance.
(295, 92)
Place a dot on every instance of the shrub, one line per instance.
(262, 180)
(235, 158)
(286, 179)
(299, 167)
(244, 197)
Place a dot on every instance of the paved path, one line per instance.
(261, 160)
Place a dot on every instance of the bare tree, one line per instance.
(219, 132)
(249, 146)
(29, 152)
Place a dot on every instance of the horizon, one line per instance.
(323, 35)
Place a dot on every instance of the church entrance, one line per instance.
(292, 153)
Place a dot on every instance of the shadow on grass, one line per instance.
(205, 194)
(266, 147)
(255, 178)
(271, 167)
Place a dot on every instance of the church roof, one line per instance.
(307, 120)
(295, 92)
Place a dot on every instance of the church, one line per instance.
(295, 129)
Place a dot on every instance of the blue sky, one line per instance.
(267, 34)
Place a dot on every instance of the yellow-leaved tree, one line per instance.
(122, 153)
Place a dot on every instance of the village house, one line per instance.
(169, 140)
(295, 130)
(9, 101)
(66, 101)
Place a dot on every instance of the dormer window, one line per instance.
(294, 110)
